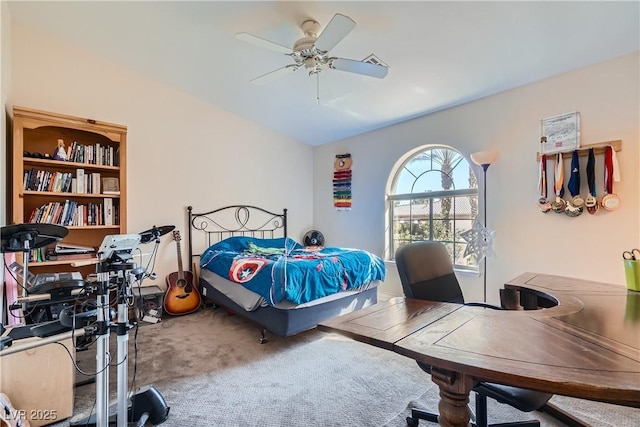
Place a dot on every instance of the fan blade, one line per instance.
(336, 30)
(257, 41)
(274, 75)
(359, 67)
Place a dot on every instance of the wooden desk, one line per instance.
(585, 344)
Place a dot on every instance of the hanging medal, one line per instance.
(559, 205)
(610, 201)
(575, 205)
(591, 203)
(543, 203)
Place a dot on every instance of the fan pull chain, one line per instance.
(318, 88)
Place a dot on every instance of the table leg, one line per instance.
(454, 397)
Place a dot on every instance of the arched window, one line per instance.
(433, 196)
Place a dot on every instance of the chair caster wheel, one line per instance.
(412, 422)
(263, 336)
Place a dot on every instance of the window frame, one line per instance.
(428, 195)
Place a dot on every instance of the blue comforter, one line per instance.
(282, 269)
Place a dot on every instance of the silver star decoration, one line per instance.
(479, 241)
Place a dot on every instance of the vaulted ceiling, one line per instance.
(440, 54)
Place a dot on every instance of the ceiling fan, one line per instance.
(312, 51)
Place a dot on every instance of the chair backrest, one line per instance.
(426, 272)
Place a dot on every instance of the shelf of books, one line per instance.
(68, 171)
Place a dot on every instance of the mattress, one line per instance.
(251, 301)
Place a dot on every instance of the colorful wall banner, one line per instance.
(342, 182)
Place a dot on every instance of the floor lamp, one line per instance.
(485, 159)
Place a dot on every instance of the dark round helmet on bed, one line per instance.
(313, 238)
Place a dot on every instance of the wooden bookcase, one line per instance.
(103, 147)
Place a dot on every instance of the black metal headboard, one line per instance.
(235, 220)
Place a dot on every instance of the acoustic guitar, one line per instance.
(182, 296)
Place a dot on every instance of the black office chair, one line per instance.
(426, 273)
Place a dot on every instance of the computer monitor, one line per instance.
(118, 247)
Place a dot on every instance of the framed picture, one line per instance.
(560, 133)
(110, 185)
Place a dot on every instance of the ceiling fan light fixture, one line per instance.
(312, 51)
(310, 63)
(304, 45)
(310, 28)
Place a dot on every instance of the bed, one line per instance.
(251, 267)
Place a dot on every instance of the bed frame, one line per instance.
(245, 220)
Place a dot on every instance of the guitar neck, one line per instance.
(180, 271)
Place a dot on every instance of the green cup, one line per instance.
(632, 274)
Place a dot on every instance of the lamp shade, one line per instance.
(482, 158)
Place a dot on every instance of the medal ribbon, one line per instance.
(559, 177)
(574, 180)
(542, 178)
(608, 169)
(616, 167)
(591, 172)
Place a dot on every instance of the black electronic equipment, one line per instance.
(24, 237)
(116, 267)
(5, 342)
(148, 400)
(118, 247)
(47, 329)
(313, 238)
(20, 332)
(155, 233)
(57, 285)
(69, 317)
(146, 404)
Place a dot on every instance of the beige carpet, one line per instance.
(212, 371)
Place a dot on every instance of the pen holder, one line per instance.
(632, 274)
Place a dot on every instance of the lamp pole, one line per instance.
(485, 159)
(485, 166)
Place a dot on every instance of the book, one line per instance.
(80, 188)
(71, 248)
(108, 211)
(110, 185)
(53, 256)
(63, 216)
(95, 184)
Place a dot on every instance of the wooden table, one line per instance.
(575, 338)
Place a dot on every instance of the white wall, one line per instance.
(5, 94)
(590, 247)
(181, 151)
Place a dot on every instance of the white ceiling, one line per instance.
(440, 54)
